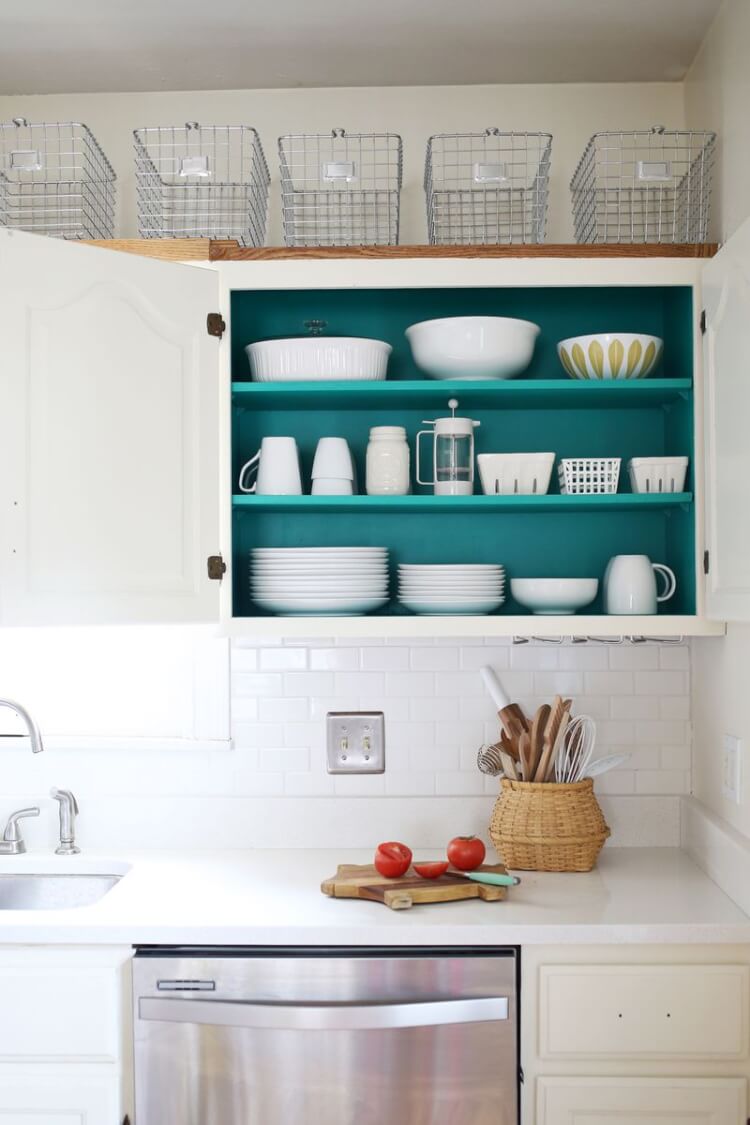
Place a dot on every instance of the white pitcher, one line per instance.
(630, 585)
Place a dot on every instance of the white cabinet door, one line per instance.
(108, 436)
(641, 1101)
(74, 1095)
(726, 299)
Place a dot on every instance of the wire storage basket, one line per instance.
(55, 180)
(649, 185)
(201, 181)
(341, 189)
(487, 188)
(588, 476)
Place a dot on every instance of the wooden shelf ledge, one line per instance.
(204, 249)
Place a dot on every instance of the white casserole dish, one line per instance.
(310, 358)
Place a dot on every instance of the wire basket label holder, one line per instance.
(55, 180)
(201, 181)
(341, 189)
(487, 188)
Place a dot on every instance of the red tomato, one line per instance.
(466, 852)
(431, 870)
(392, 859)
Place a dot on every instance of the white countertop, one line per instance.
(274, 898)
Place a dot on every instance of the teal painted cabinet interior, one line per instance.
(543, 411)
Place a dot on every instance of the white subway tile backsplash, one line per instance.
(385, 659)
(661, 683)
(437, 715)
(335, 659)
(439, 659)
(282, 659)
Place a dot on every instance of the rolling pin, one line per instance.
(510, 714)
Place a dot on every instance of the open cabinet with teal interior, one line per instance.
(544, 410)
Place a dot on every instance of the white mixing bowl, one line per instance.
(473, 347)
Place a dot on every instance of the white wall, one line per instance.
(570, 112)
(272, 788)
(717, 95)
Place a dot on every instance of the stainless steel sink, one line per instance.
(28, 891)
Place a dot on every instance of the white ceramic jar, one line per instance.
(388, 461)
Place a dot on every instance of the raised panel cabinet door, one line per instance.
(44, 1096)
(641, 1101)
(726, 347)
(109, 433)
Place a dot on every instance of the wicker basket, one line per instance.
(548, 826)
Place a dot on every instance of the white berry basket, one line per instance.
(588, 476)
(657, 474)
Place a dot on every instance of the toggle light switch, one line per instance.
(356, 741)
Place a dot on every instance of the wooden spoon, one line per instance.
(537, 739)
(524, 750)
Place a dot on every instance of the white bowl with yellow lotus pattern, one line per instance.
(610, 355)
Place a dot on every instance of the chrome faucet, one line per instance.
(68, 811)
(13, 842)
(32, 729)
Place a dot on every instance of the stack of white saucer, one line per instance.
(460, 590)
(325, 581)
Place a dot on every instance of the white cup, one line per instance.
(331, 486)
(276, 467)
(630, 585)
(333, 459)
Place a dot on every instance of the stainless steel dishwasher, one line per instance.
(325, 1037)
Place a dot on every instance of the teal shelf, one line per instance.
(619, 502)
(433, 394)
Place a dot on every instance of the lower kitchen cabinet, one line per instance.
(641, 1101)
(71, 1094)
(66, 1047)
(638, 1034)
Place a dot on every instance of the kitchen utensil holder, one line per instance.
(201, 181)
(657, 474)
(588, 476)
(487, 188)
(548, 827)
(55, 180)
(647, 185)
(341, 189)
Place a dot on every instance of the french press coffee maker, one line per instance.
(452, 453)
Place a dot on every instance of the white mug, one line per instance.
(276, 465)
(333, 459)
(630, 585)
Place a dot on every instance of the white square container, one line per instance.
(657, 474)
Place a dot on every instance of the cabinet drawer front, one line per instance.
(59, 1012)
(637, 1011)
(641, 1101)
(38, 1096)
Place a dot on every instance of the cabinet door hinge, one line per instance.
(703, 322)
(217, 568)
(215, 325)
(706, 568)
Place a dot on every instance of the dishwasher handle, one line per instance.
(323, 1017)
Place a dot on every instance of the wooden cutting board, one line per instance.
(354, 880)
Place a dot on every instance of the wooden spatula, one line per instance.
(524, 750)
(536, 738)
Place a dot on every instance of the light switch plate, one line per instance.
(356, 741)
(731, 766)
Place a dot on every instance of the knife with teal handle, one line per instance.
(493, 878)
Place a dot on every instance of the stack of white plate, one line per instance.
(327, 581)
(459, 590)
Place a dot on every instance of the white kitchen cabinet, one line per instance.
(66, 1050)
(124, 424)
(108, 436)
(726, 288)
(62, 1095)
(637, 1034)
(641, 1101)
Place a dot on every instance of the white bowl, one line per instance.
(610, 355)
(473, 347)
(522, 474)
(554, 595)
(310, 358)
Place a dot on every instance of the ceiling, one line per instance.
(67, 46)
